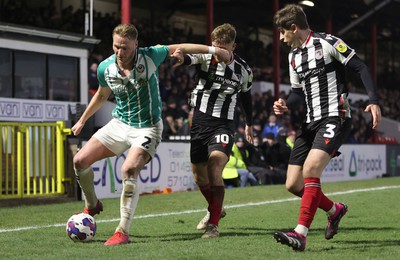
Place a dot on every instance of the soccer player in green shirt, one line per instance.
(131, 75)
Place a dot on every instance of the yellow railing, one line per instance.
(32, 159)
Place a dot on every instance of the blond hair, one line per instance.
(126, 30)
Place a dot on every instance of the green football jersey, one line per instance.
(138, 95)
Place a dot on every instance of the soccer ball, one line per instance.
(81, 227)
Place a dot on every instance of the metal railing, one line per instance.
(32, 159)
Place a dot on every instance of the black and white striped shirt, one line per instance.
(218, 85)
(318, 68)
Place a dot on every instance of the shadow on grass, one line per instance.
(225, 232)
(359, 244)
(369, 243)
(266, 232)
(313, 231)
(166, 238)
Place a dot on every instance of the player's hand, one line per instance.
(222, 55)
(77, 128)
(280, 107)
(177, 58)
(248, 130)
(376, 114)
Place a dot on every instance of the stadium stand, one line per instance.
(178, 83)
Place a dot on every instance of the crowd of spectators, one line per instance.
(176, 84)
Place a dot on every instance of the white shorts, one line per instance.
(119, 137)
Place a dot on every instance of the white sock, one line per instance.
(301, 230)
(85, 181)
(128, 203)
(332, 210)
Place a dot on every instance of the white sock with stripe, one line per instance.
(128, 203)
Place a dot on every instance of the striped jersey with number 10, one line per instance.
(218, 85)
(318, 67)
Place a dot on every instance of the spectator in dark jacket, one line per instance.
(256, 162)
(277, 153)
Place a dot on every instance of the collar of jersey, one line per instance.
(134, 62)
(307, 40)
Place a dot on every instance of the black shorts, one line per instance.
(326, 134)
(204, 140)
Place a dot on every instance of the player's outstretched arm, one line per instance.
(191, 48)
(361, 69)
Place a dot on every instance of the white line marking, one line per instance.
(202, 210)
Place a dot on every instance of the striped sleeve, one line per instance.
(294, 77)
(339, 49)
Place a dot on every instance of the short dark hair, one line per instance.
(224, 34)
(289, 15)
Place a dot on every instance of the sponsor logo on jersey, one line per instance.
(221, 80)
(225, 81)
(119, 89)
(140, 68)
(312, 72)
(251, 77)
(319, 54)
(340, 46)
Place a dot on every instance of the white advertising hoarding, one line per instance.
(356, 162)
(170, 168)
(27, 110)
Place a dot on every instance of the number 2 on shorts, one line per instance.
(147, 143)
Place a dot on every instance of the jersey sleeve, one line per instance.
(294, 77)
(198, 58)
(101, 72)
(157, 53)
(339, 49)
(248, 78)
